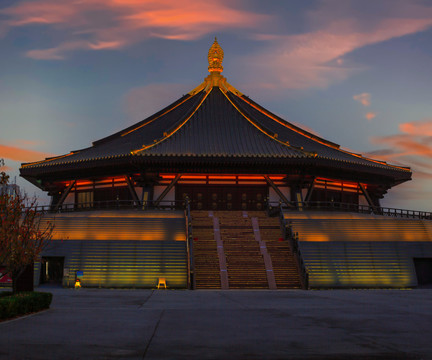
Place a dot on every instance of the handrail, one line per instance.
(190, 249)
(271, 206)
(293, 239)
(113, 204)
(362, 209)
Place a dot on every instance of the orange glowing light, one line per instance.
(200, 177)
(251, 182)
(222, 177)
(84, 182)
(110, 226)
(192, 182)
(322, 182)
(251, 177)
(222, 182)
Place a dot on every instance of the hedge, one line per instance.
(5, 293)
(12, 305)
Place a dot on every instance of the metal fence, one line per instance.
(271, 206)
(345, 207)
(114, 205)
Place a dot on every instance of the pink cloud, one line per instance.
(363, 98)
(421, 128)
(59, 52)
(39, 12)
(112, 24)
(411, 147)
(19, 154)
(315, 59)
(370, 115)
(405, 145)
(192, 19)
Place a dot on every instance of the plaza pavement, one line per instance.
(169, 324)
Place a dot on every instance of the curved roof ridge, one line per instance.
(305, 133)
(146, 121)
(174, 128)
(209, 129)
(287, 124)
(273, 136)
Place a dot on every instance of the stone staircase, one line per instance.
(246, 269)
(207, 271)
(247, 262)
(284, 264)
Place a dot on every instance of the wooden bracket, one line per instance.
(166, 191)
(64, 195)
(276, 189)
(366, 194)
(132, 190)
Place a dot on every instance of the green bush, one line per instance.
(22, 303)
(5, 293)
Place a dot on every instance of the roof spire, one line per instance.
(215, 79)
(215, 58)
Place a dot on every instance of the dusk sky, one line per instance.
(356, 72)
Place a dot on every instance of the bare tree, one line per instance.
(23, 233)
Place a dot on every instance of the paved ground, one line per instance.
(164, 324)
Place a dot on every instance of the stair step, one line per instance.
(245, 263)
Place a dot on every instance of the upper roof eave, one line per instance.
(270, 137)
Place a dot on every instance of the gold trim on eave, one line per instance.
(156, 142)
(47, 160)
(272, 136)
(157, 117)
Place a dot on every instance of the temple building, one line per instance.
(230, 161)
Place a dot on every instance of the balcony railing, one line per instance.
(115, 205)
(272, 206)
(345, 207)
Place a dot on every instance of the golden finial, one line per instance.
(215, 58)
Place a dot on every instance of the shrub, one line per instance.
(22, 303)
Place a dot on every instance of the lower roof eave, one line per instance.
(398, 174)
(250, 164)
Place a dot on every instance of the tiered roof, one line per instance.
(214, 123)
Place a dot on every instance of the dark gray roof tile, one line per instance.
(215, 125)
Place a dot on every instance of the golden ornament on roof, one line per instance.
(215, 57)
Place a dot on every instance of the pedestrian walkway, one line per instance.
(235, 324)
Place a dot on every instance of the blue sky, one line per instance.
(356, 72)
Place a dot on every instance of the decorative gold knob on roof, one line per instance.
(215, 58)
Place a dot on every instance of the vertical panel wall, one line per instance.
(122, 249)
(356, 250)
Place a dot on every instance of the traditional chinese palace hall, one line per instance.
(215, 191)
